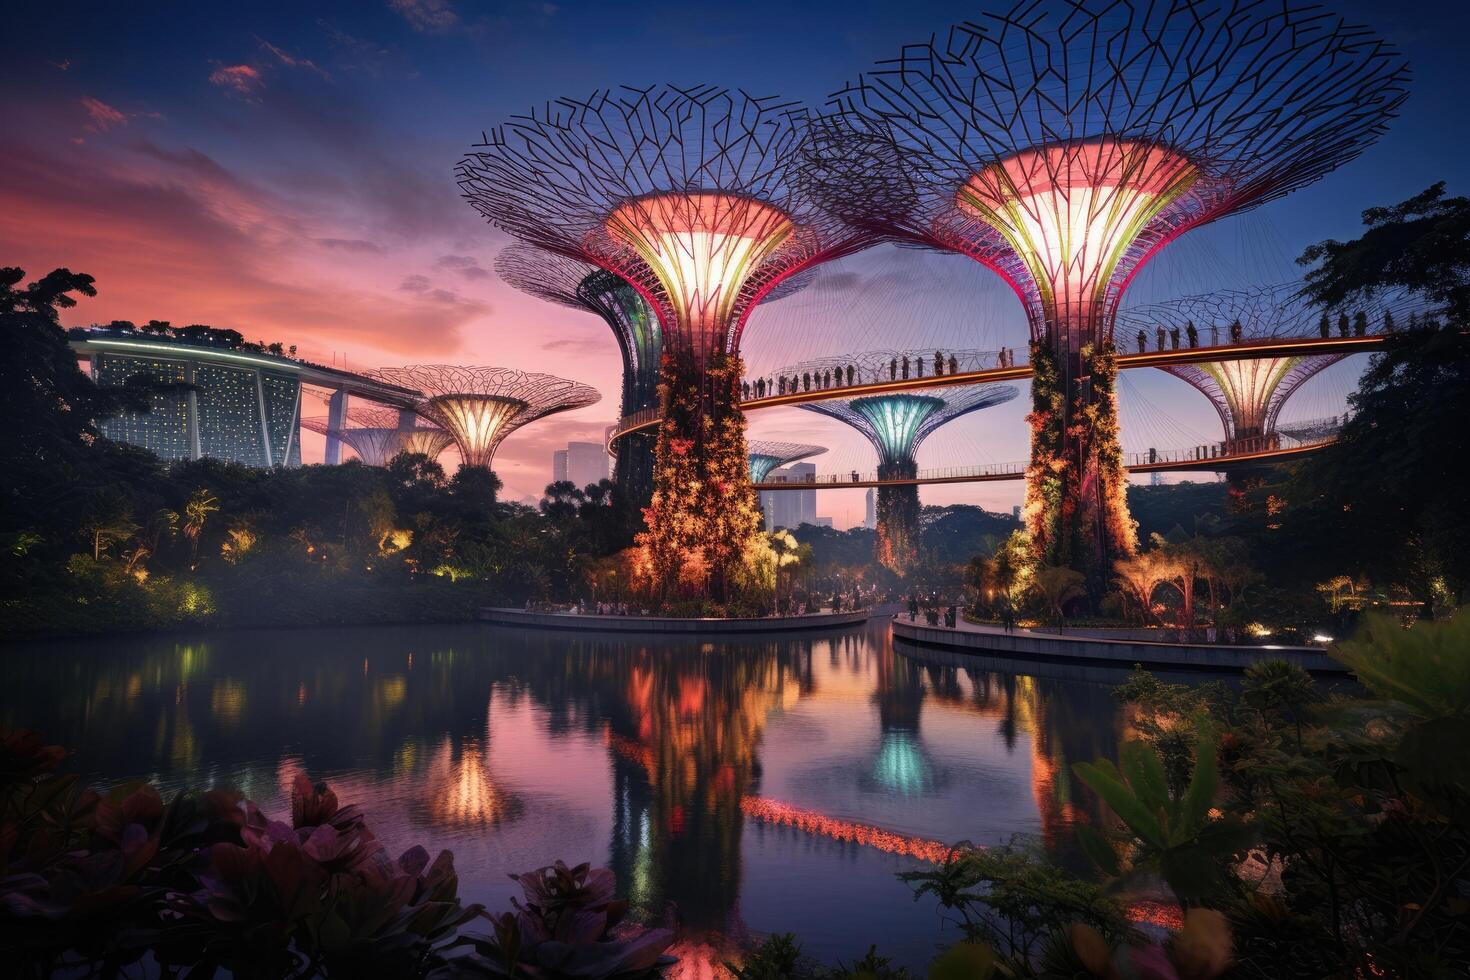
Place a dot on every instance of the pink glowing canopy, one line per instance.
(1072, 211)
(701, 250)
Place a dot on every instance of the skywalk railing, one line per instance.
(1191, 457)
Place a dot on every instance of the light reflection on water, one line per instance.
(750, 786)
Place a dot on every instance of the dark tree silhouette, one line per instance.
(1421, 245)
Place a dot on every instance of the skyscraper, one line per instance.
(581, 463)
(791, 508)
(870, 513)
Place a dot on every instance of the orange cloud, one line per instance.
(239, 80)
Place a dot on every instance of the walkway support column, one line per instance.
(336, 421)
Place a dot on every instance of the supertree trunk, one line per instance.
(897, 514)
(704, 514)
(633, 470)
(1076, 485)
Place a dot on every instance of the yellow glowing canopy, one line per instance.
(1071, 210)
(701, 247)
(478, 423)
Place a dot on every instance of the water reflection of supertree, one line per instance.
(901, 766)
(1062, 721)
(685, 747)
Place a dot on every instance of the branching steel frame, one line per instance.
(480, 406)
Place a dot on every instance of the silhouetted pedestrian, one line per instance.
(1159, 336)
(1174, 337)
(1192, 334)
(1142, 341)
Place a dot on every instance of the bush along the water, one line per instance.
(570, 925)
(94, 883)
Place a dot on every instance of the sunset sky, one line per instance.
(287, 170)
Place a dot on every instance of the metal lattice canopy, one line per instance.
(480, 406)
(1249, 394)
(1063, 143)
(897, 423)
(582, 286)
(378, 433)
(694, 195)
(766, 456)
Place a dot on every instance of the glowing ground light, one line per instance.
(1071, 210)
(701, 247)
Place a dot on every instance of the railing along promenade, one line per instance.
(1245, 350)
(1238, 453)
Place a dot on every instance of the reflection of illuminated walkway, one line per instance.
(812, 822)
(1163, 914)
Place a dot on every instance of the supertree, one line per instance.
(1062, 145)
(896, 424)
(379, 433)
(480, 406)
(766, 456)
(1249, 393)
(695, 197)
(582, 286)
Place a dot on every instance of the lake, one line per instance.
(741, 786)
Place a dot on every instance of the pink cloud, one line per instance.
(103, 116)
(222, 250)
(291, 61)
(239, 80)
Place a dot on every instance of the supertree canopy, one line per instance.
(1063, 144)
(695, 197)
(896, 424)
(379, 433)
(1248, 393)
(480, 406)
(582, 286)
(766, 456)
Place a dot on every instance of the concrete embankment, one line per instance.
(656, 624)
(991, 641)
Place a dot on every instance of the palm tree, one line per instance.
(196, 513)
(104, 531)
(1059, 585)
(788, 552)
